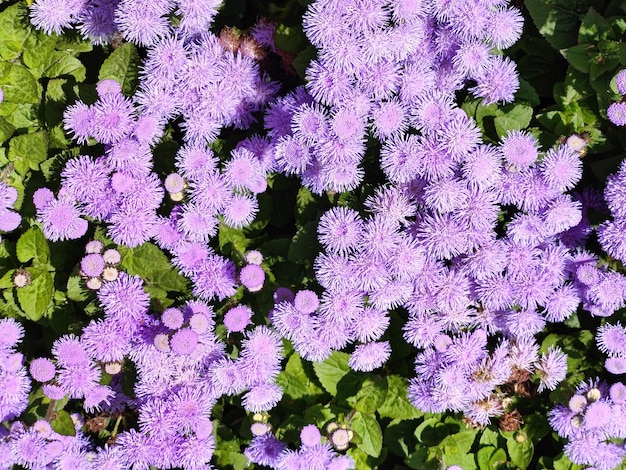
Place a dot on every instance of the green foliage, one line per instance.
(122, 65)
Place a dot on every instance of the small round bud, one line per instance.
(113, 368)
(94, 283)
(577, 403)
(254, 257)
(340, 439)
(594, 394)
(177, 197)
(259, 428)
(162, 342)
(21, 278)
(110, 273)
(111, 256)
(43, 428)
(94, 246)
(174, 183)
(576, 143)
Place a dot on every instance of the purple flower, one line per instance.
(172, 318)
(214, 278)
(184, 342)
(237, 318)
(551, 368)
(252, 277)
(61, 220)
(54, 15)
(498, 81)
(124, 298)
(505, 26)
(42, 369)
(369, 356)
(617, 113)
(264, 450)
(262, 397)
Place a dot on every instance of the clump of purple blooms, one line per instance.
(482, 244)
(594, 422)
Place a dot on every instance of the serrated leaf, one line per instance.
(332, 370)
(295, 382)
(561, 462)
(35, 298)
(28, 150)
(63, 424)
(38, 52)
(520, 448)
(150, 263)
(76, 290)
(13, 32)
(483, 457)
(18, 84)
(122, 65)
(594, 27)
(33, 245)
(369, 432)
(228, 235)
(63, 63)
(558, 20)
(579, 56)
(456, 449)
(6, 130)
(371, 395)
(396, 404)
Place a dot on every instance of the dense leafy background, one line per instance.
(567, 58)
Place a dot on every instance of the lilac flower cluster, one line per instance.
(611, 233)
(616, 112)
(594, 422)
(611, 340)
(97, 267)
(314, 453)
(384, 66)
(9, 219)
(14, 380)
(143, 22)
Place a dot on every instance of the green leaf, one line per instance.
(63, 424)
(303, 59)
(371, 395)
(396, 404)
(579, 56)
(520, 448)
(32, 244)
(289, 38)
(38, 52)
(76, 290)
(483, 457)
(6, 130)
(13, 32)
(122, 65)
(305, 245)
(516, 119)
(594, 27)
(63, 64)
(151, 264)
(235, 237)
(369, 432)
(18, 84)
(498, 459)
(332, 370)
(35, 298)
(561, 462)
(456, 448)
(295, 382)
(28, 151)
(558, 20)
